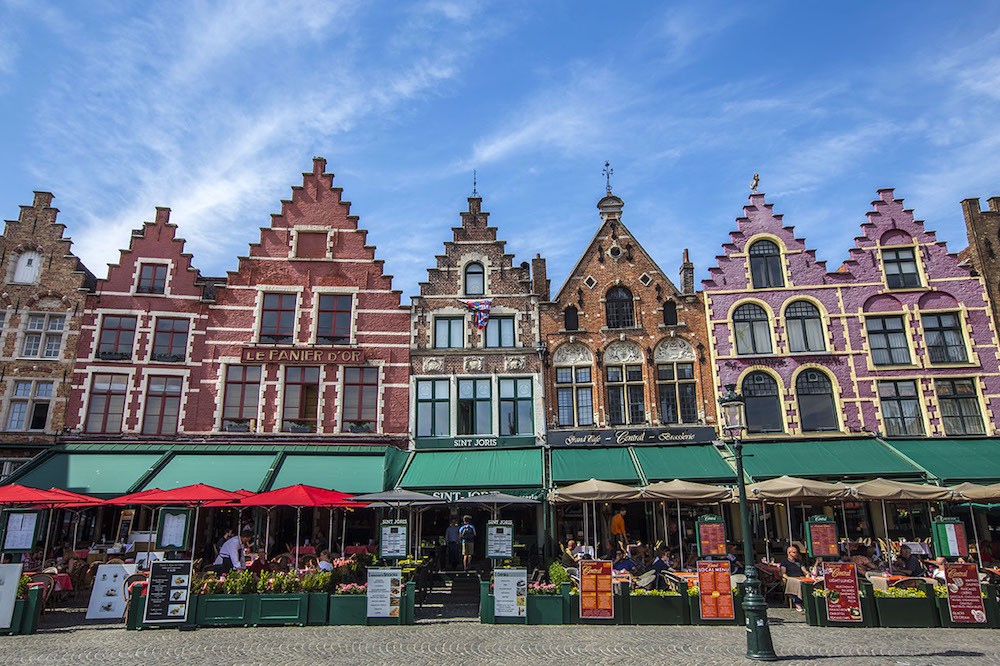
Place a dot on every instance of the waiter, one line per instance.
(619, 536)
(231, 554)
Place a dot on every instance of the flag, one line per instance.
(481, 310)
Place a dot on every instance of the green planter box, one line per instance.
(544, 609)
(222, 610)
(694, 608)
(647, 609)
(26, 614)
(278, 609)
(319, 608)
(816, 614)
(348, 609)
(992, 611)
(907, 612)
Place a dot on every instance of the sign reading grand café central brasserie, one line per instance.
(632, 436)
(304, 355)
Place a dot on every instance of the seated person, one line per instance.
(908, 564)
(793, 567)
(660, 565)
(862, 560)
(570, 555)
(260, 563)
(622, 562)
(324, 561)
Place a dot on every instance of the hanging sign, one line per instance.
(500, 539)
(597, 599)
(949, 538)
(843, 599)
(395, 539)
(20, 530)
(109, 596)
(385, 592)
(510, 593)
(711, 533)
(965, 594)
(169, 592)
(715, 589)
(174, 530)
(10, 576)
(821, 537)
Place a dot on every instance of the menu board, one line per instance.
(843, 600)
(950, 539)
(965, 595)
(20, 531)
(821, 537)
(10, 575)
(385, 592)
(394, 539)
(124, 526)
(510, 593)
(168, 592)
(711, 536)
(174, 530)
(500, 539)
(597, 599)
(716, 591)
(109, 597)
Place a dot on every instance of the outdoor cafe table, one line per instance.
(884, 582)
(793, 585)
(356, 550)
(63, 583)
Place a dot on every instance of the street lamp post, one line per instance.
(759, 645)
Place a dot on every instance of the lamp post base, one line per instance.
(759, 645)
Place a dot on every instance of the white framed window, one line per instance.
(43, 336)
(29, 405)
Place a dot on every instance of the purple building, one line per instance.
(897, 342)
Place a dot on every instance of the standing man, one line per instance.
(619, 536)
(231, 554)
(453, 544)
(468, 535)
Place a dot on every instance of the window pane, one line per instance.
(584, 406)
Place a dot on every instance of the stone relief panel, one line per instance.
(573, 353)
(433, 365)
(623, 352)
(673, 349)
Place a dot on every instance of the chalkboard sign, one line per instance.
(169, 592)
(821, 537)
(711, 533)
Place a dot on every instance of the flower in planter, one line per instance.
(317, 581)
(549, 589)
(240, 581)
(639, 592)
(352, 588)
(901, 593)
(22, 587)
(694, 591)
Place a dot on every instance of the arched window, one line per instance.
(752, 330)
(763, 405)
(817, 409)
(29, 265)
(669, 313)
(765, 265)
(805, 327)
(571, 319)
(475, 283)
(619, 307)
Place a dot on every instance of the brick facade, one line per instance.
(500, 365)
(668, 331)
(983, 229)
(875, 345)
(43, 299)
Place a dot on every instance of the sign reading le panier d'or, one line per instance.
(304, 355)
(632, 436)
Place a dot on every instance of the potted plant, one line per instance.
(694, 607)
(349, 604)
(545, 603)
(279, 600)
(27, 609)
(657, 607)
(317, 585)
(990, 603)
(906, 607)
(226, 601)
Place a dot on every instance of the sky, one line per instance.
(214, 109)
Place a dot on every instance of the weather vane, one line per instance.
(475, 193)
(608, 172)
(755, 182)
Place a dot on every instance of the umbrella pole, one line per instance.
(767, 539)
(343, 533)
(586, 522)
(76, 526)
(666, 529)
(680, 533)
(298, 524)
(843, 516)
(788, 517)
(329, 533)
(975, 535)
(267, 532)
(888, 545)
(48, 530)
(194, 534)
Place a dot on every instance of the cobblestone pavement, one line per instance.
(467, 643)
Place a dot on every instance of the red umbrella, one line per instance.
(18, 494)
(198, 493)
(230, 503)
(75, 500)
(141, 497)
(300, 495)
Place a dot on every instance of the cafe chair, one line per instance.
(48, 585)
(116, 560)
(308, 562)
(282, 562)
(909, 583)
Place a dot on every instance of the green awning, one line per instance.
(495, 469)
(954, 460)
(692, 463)
(605, 464)
(346, 473)
(100, 474)
(229, 472)
(830, 459)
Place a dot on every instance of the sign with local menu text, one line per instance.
(715, 589)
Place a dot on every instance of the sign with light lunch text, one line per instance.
(843, 599)
(304, 355)
(632, 436)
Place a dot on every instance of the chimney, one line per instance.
(539, 283)
(319, 166)
(42, 200)
(687, 275)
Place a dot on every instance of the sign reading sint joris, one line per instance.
(304, 356)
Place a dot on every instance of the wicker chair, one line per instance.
(48, 586)
(909, 583)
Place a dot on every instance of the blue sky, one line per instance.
(214, 109)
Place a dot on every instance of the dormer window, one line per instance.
(475, 279)
(152, 279)
(765, 265)
(29, 265)
(900, 266)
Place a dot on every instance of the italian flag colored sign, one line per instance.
(951, 541)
